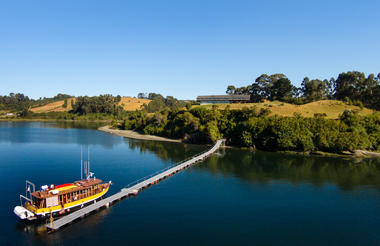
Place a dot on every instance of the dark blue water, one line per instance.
(233, 198)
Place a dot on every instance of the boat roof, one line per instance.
(66, 188)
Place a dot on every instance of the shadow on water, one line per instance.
(264, 167)
(166, 151)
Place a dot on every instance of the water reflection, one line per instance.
(167, 151)
(262, 167)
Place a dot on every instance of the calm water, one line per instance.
(233, 198)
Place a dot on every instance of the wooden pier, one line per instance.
(132, 188)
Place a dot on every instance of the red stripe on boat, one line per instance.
(62, 185)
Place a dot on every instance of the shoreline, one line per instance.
(358, 154)
(136, 135)
(50, 120)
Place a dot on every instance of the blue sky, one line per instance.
(179, 48)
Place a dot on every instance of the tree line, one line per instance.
(102, 105)
(20, 102)
(159, 102)
(106, 104)
(352, 86)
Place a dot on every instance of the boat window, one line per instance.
(36, 202)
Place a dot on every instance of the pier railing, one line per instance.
(164, 169)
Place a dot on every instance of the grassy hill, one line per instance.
(54, 107)
(332, 108)
(128, 103)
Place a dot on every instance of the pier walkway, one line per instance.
(133, 188)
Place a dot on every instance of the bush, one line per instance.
(64, 103)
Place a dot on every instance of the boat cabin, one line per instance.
(66, 193)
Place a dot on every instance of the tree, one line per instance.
(153, 96)
(230, 90)
(281, 89)
(242, 90)
(261, 88)
(24, 112)
(314, 89)
(355, 86)
(142, 95)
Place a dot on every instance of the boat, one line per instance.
(56, 200)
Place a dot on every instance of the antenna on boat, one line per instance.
(85, 169)
(88, 161)
(81, 163)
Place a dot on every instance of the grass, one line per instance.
(332, 108)
(131, 103)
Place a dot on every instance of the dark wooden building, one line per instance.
(212, 99)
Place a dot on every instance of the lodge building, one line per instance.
(214, 99)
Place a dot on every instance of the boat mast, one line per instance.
(85, 165)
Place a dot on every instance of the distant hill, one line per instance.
(128, 103)
(332, 108)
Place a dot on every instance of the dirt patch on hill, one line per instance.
(54, 107)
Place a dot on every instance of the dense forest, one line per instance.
(352, 87)
(252, 128)
(106, 104)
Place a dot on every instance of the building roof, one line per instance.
(224, 97)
